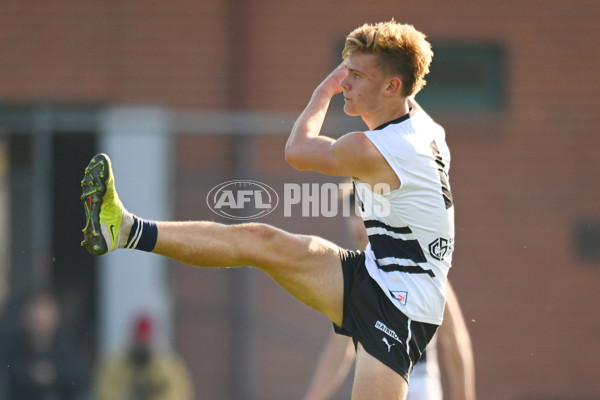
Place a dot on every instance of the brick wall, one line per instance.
(521, 177)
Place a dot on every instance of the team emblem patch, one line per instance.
(400, 296)
(440, 247)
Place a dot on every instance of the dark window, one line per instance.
(465, 76)
(586, 240)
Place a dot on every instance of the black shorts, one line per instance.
(372, 320)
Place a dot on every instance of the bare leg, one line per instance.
(308, 267)
(375, 380)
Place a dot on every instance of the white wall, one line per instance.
(138, 142)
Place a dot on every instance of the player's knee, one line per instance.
(260, 238)
(259, 232)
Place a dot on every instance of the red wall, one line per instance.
(521, 177)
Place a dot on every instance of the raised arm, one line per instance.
(305, 137)
(352, 155)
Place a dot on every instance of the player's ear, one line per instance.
(394, 85)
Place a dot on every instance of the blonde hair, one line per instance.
(401, 50)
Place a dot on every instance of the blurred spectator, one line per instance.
(39, 362)
(142, 372)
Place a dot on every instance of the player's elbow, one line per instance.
(295, 157)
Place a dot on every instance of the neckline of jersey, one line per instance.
(396, 121)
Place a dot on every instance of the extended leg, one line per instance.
(308, 267)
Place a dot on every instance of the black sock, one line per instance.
(143, 235)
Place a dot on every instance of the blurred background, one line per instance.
(185, 95)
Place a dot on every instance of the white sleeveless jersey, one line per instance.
(411, 229)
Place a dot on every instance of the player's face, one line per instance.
(363, 86)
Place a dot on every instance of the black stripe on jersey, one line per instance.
(373, 223)
(446, 193)
(409, 269)
(385, 246)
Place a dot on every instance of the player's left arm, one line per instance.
(456, 344)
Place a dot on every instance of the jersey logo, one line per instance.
(440, 248)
